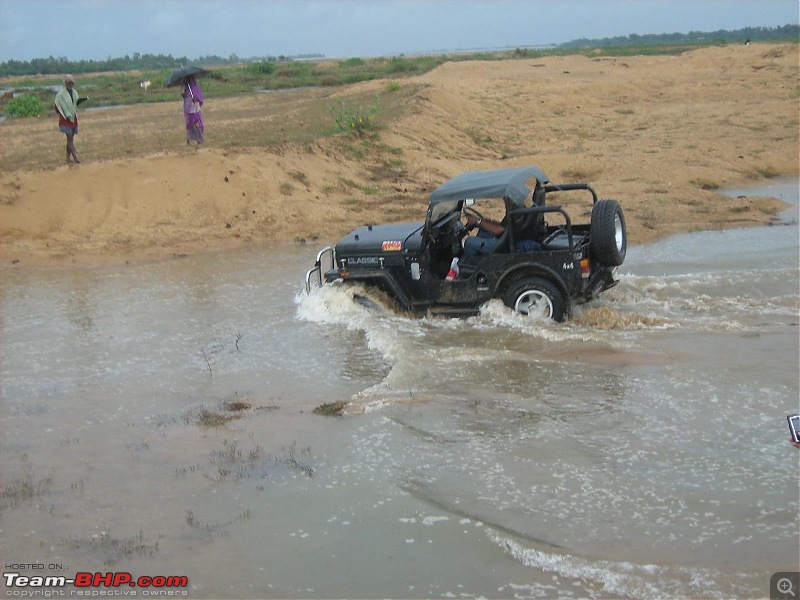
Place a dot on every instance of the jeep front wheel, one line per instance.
(538, 298)
(608, 241)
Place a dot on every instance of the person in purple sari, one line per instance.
(192, 103)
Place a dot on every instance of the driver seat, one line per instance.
(503, 246)
(532, 226)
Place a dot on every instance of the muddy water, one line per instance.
(158, 419)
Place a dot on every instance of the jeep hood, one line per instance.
(381, 240)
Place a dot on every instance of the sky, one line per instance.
(100, 29)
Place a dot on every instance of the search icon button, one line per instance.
(784, 586)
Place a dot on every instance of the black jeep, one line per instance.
(535, 266)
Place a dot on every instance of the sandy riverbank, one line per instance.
(660, 134)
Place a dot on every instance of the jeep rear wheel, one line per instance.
(608, 238)
(537, 298)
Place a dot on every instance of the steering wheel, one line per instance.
(467, 211)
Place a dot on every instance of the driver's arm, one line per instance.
(492, 227)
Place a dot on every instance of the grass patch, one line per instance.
(705, 184)
(286, 188)
(330, 408)
(209, 418)
(656, 190)
(356, 119)
(766, 172)
(481, 139)
(299, 176)
(213, 530)
(353, 152)
(114, 549)
(233, 462)
(349, 183)
(229, 409)
(24, 488)
(578, 175)
(236, 405)
(650, 219)
(292, 461)
(239, 461)
(298, 117)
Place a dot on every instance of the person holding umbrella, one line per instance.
(192, 100)
(192, 110)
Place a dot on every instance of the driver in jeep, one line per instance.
(486, 239)
(489, 232)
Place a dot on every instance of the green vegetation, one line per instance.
(24, 106)
(124, 88)
(767, 172)
(704, 184)
(355, 119)
(117, 81)
(149, 63)
(137, 62)
(785, 33)
(252, 121)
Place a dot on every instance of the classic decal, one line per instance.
(363, 260)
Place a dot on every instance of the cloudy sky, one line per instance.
(98, 29)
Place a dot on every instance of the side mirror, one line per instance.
(469, 202)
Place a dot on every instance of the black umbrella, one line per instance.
(182, 73)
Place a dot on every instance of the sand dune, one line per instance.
(659, 134)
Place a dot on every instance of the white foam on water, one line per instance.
(496, 314)
(619, 578)
(704, 301)
(337, 305)
(429, 350)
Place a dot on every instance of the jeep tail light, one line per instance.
(584, 268)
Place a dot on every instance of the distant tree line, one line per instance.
(141, 62)
(150, 62)
(754, 34)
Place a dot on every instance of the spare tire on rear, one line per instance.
(608, 239)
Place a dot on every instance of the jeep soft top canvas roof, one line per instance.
(502, 183)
